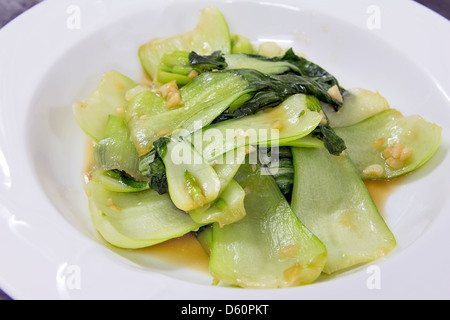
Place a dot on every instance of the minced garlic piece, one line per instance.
(395, 163)
(397, 155)
(293, 275)
(162, 132)
(193, 74)
(110, 203)
(174, 100)
(335, 93)
(379, 143)
(374, 171)
(277, 125)
(289, 251)
(324, 120)
(172, 94)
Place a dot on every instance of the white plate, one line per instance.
(49, 58)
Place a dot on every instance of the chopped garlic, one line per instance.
(162, 132)
(193, 74)
(174, 100)
(324, 120)
(335, 93)
(379, 143)
(172, 94)
(289, 251)
(277, 125)
(110, 203)
(397, 155)
(395, 163)
(374, 171)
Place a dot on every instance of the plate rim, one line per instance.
(29, 17)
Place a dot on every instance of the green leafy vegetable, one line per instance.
(270, 91)
(359, 104)
(179, 65)
(334, 144)
(226, 210)
(143, 103)
(192, 181)
(204, 99)
(271, 79)
(311, 70)
(229, 206)
(108, 99)
(257, 62)
(270, 247)
(116, 151)
(389, 144)
(207, 63)
(241, 44)
(281, 167)
(117, 181)
(289, 121)
(330, 198)
(205, 237)
(153, 168)
(211, 34)
(136, 220)
(259, 153)
(324, 132)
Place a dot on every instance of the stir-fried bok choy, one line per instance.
(258, 152)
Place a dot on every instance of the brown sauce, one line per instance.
(380, 190)
(185, 251)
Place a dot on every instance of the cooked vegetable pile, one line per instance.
(260, 153)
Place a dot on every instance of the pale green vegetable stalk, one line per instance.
(227, 209)
(116, 181)
(289, 121)
(210, 34)
(136, 220)
(330, 198)
(108, 99)
(389, 144)
(115, 151)
(229, 206)
(193, 182)
(270, 247)
(203, 99)
(359, 104)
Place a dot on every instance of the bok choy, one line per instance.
(258, 152)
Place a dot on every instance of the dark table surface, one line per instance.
(9, 9)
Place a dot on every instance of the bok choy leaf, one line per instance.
(270, 247)
(116, 151)
(389, 145)
(136, 220)
(333, 202)
(193, 182)
(108, 99)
